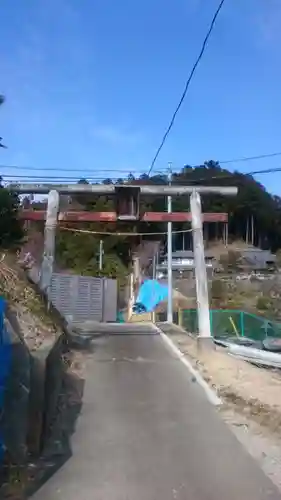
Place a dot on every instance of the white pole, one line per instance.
(200, 267)
(101, 255)
(136, 270)
(131, 296)
(153, 316)
(252, 230)
(154, 267)
(169, 257)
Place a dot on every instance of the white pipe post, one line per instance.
(131, 296)
(153, 316)
(200, 268)
(101, 252)
(49, 241)
(137, 274)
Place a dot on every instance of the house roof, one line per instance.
(255, 255)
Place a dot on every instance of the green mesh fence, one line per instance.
(229, 322)
(190, 320)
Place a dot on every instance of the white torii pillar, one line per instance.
(49, 241)
(203, 309)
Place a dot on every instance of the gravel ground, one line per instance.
(263, 445)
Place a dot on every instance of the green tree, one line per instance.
(11, 230)
(263, 303)
(80, 252)
(252, 200)
(278, 258)
(230, 261)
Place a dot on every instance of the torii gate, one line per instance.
(128, 209)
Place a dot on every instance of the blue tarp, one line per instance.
(151, 293)
(5, 363)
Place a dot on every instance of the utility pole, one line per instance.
(131, 296)
(154, 267)
(200, 271)
(252, 230)
(153, 316)
(247, 231)
(169, 252)
(137, 272)
(101, 252)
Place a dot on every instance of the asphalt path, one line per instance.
(147, 432)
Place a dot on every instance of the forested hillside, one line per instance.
(80, 250)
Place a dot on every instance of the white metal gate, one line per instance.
(83, 297)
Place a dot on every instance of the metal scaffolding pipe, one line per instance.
(100, 189)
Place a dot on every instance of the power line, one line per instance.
(61, 179)
(230, 176)
(257, 172)
(244, 159)
(74, 180)
(73, 170)
(249, 158)
(122, 172)
(19, 178)
(187, 84)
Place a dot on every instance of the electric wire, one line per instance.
(201, 53)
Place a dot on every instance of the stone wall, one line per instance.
(42, 401)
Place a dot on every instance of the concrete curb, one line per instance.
(211, 394)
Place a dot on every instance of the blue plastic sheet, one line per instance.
(5, 363)
(151, 293)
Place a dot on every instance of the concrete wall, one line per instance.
(42, 401)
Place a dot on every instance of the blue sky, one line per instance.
(91, 84)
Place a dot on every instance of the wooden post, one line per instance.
(180, 317)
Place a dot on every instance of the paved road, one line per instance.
(147, 433)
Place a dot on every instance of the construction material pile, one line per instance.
(266, 354)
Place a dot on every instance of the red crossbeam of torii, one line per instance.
(84, 216)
